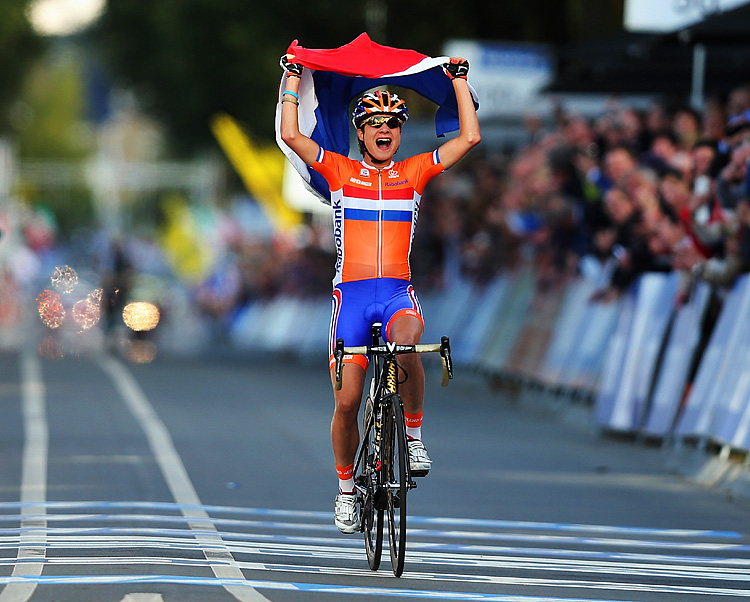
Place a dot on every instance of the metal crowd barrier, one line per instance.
(632, 358)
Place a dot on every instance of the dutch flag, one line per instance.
(334, 77)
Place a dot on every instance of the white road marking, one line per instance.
(143, 598)
(428, 561)
(325, 517)
(31, 547)
(416, 535)
(376, 591)
(701, 574)
(178, 481)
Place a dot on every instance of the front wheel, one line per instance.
(396, 471)
(371, 516)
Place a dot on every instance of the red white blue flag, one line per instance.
(334, 77)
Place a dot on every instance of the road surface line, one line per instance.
(215, 550)
(31, 546)
(320, 588)
(320, 554)
(502, 525)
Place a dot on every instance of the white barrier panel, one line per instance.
(697, 417)
(733, 390)
(469, 339)
(508, 322)
(582, 335)
(279, 324)
(741, 439)
(448, 312)
(644, 337)
(315, 334)
(612, 372)
(586, 363)
(670, 386)
(245, 326)
(567, 331)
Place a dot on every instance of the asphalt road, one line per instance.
(212, 479)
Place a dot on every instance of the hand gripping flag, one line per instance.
(334, 77)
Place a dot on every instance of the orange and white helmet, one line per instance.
(380, 102)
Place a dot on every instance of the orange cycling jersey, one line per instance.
(375, 212)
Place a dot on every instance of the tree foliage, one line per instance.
(19, 47)
(189, 59)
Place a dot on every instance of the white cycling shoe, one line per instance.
(346, 512)
(419, 461)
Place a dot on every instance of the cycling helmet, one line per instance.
(379, 102)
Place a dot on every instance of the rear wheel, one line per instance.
(397, 456)
(371, 516)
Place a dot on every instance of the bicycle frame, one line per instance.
(385, 386)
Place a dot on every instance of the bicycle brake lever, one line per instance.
(338, 355)
(445, 354)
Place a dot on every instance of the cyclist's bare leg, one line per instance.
(344, 425)
(408, 330)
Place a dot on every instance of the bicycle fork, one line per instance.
(391, 385)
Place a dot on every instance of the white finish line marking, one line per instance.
(32, 546)
(320, 588)
(143, 598)
(215, 550)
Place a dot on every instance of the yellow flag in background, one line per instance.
(261, 170)
(187, 248)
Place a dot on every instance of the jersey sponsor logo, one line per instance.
(364, 173)
(399, 183)
(354, 180)
(338, 232)
(392, 173)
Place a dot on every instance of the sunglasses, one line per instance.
(377, 120)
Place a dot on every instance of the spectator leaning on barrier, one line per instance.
(723, 271)
(724, 218)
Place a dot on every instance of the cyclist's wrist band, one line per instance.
(292, 100)
(292, 93)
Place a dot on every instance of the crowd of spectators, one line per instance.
(659, 189)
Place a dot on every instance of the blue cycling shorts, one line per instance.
(358, 304)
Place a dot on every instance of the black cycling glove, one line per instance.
(290, 69)
(457, 68)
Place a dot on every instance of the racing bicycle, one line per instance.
(382, 473)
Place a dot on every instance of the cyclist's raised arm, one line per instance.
(468, 136)
(306, 148)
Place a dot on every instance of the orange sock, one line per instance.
(346, 478)
(413, 425)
